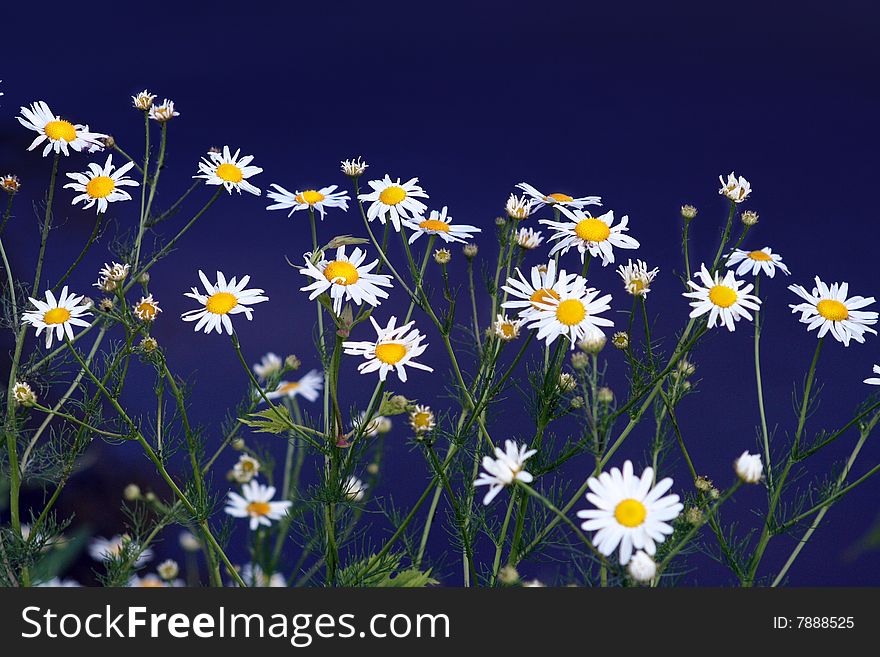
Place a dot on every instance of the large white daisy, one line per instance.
(255, 502)
(594, 235)
(756, 262)
(507, 467)
(438, 223)
(57, 316)
(557, 199)
(319, 199)
(394, 349)
(220, 300)
(828, 308)
(629, 512)
(229, 170)
(344, 278)
(394, 200)
(59, 134)
(541, 287)
(101, 185)
(308, 387)
(726, 299)
(573, 314)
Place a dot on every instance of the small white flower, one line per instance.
(59, 134)
(147, 309)
(23, 394)
(317, 199)
(143, 100)
(245, 469)
(439, 224)
(421, 419)
(557, 199)
(57, 317)
(101, 185)
(354, 489)
(829, 308)
(748, 468)
(642, 568)
(756, 262)
(168, 569)
(354, 168)
(256, 503)
(229, 170)
(394, 349)
(505, 328)
(394, 201)
(114, 272)
(189, 542)
(736, 189)
(308, 387)
(518, 207)
(637, 278)
(269, 364)
(102, 549)
(598, 236)
(726, 299)
(528, 238)
(506, 468)
(221, 300)
(163, 112)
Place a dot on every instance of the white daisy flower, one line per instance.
(439, 224)
(354, 489)
(828, 309)
(23, 394)
(394, 200)
(245, 469)
(229, 170)
(642, 568)
(57, 316)
(756, 262)
(10, 183)
(748, 468)
(506, 468)
(147, 309)
(254, 576)
(574, 313)
(346, 278)
(309, 387)
(255, 502)
(557, 199)
(518, 207)
(528, 238)
(629, 512)
(874, 381)
(394, 350)
(163, 112)
(594, 235)
(353, 168)
(637, 278)
(222, 299)
(168, 570)
(541, 287)
(421, 418)
(101, 185)
(269, 364)
(318, 199)
(735, 188)
(725, 299)
(59, 134)
(143, 100)
(102, 549)
(116, 271)
(505, 328)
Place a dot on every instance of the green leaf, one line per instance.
(272, 420)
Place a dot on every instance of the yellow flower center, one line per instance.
(571, 312)
(544, 295)
(435, 225)
(759, 255)
(392, 195)
(592, 230)
(258, 508)
(637, 285)
(147, 310)
(60, 131)
(559, 198)
(100, 186)
(507, 330)
(630, 513)
(341, 272)
(421, 420)
(247, 466)
(310, 196)
(221, 303)
(56, 316)
(229, 173)
(722, 296)
(289, 387)
(390, 352)
(833, 310)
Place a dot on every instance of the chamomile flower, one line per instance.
(874, 381)
(222, 299)
(147, 309)
(507, 467)
(163, 112)
(756, 262)
(597, 236)
(518, 207)
(148, 581)
(394, 349)
(116, 271)
(394, 200)
(10, 183)
(748, 468)
(245, 469)
(528, 238)
(143, 100)
(540, 199)
(316, 199)
(255, 503)
(441, 225)
(230, 170)
(308, 387)
(629, 512)
(23, 394)
(505, 328)
(726, 299)
(60, 135)
(735, 188)
(573, 313)
(637, 278)
(353, 168)
(57, 316)
(828, 308)
(269, 364)
(103, 549)
(421, 418)
(642, 568)
(346, 278)
(541, 287)
(354, 489)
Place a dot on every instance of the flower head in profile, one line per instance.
(353, 168)
(438, 223)
(528, 238)
(394, 201)
(147, 310)
(748, 468)
(518, 207)
(10, 183)
(163, 112)
(230, 170)
(245, 469)
(830, 309)
(541, 286)
(874, 381)
(630, 512)
(637, 278)
(220, 300)
(757, 262)
(57, 316)
(314, 199)
(308, 387)
(539, 199)
(346, 278)
(269, 364)
(507, 467)
(737, 189)
(505, 328)
(104, 549)
(256, 503)
(394, 349)
(143, 100)
(421, 419)
(725, 299)
(60, 135)
(354, 489)
(598, 236)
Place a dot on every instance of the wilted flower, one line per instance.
(637, 278)
(10, 183)
(518, 207)
(735, 188)
(354, 168)
(143, 100)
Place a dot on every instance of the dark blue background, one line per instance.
(642, 104)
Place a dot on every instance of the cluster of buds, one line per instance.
(567, 382)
